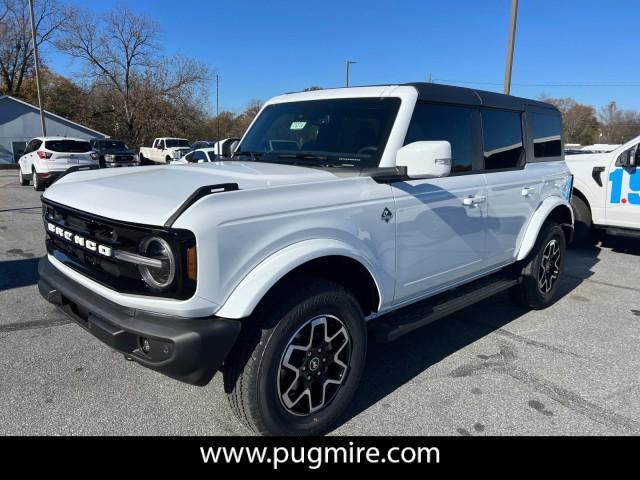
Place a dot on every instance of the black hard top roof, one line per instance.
(435, 92)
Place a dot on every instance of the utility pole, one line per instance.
(37, 67)
(348, 63)
(218, 111)
(510, 48)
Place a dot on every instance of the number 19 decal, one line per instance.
(616, 178)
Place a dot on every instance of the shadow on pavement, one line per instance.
(391, 365)
(18, 273)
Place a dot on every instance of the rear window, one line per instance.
(547, 134)
(67, 146)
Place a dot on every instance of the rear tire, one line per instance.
(21, 178)
(38, 185)
(543, 270)
(283, 377)
(583, 233)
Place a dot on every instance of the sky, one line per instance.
(264, 48)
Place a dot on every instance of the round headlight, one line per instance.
(158, 278)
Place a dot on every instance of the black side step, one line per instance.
(622, 232)
(404, 320)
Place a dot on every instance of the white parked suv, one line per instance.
(380, 208)
(46, 158)
(607, 192)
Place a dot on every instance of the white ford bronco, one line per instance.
(606, 194)
(343, 215)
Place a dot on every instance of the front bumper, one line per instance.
(189, 350)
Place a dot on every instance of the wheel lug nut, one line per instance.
(318, 373)
(319, 350)
(304, 368)
(309, 378)
(324, 359)
(309, 354)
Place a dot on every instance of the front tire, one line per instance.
(24, 181)
(297, 367)
(543, 270)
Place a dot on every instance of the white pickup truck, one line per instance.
(164, 150)
(381, 208)
(606, 192)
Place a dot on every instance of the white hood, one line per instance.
(149, 195)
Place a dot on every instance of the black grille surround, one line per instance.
(123, 277)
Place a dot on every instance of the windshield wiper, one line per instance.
(309, 158)
(248, 153)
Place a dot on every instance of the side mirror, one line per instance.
(425, 159)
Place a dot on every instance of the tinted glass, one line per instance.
(341, 132)
(502, 134)
(445, 122)
(547, 131)
(171, 143)
(212, 156)
(67, 146)
(111, 145)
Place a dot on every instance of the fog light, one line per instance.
(144, 343)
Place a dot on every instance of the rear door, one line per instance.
(440, 240)
(513, 189)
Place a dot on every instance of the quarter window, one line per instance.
(445, 122)
(502, 135)
(547, 134)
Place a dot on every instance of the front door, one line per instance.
(623, 193)
(440, 233)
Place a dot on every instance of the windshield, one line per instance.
(67, 146)
(174, 142)
(339, 132)
(112, 145)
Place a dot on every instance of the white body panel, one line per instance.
(283, 216)
(616, 203)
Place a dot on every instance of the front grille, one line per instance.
(116, 274)
(124, 158)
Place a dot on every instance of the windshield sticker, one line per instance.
(297, 125)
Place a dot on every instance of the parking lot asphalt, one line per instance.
(491, 369)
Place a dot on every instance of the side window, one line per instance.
(502, 135)
(547, 133)
(197, 156)
(445, 122)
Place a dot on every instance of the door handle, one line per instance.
(473, 200)
(526, 191)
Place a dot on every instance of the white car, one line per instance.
(164, 150)
(46, 158)
(201, 155)
(606, 192)
(381, 208)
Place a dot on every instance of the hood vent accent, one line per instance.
(197, 195)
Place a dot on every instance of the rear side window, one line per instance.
(445, 122)
(67, 146)
(547, 134)
(502, 135)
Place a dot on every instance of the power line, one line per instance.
(541, 84)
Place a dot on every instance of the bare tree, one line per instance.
(122, 54)
(16, 49)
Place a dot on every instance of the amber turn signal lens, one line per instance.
(192, 264)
